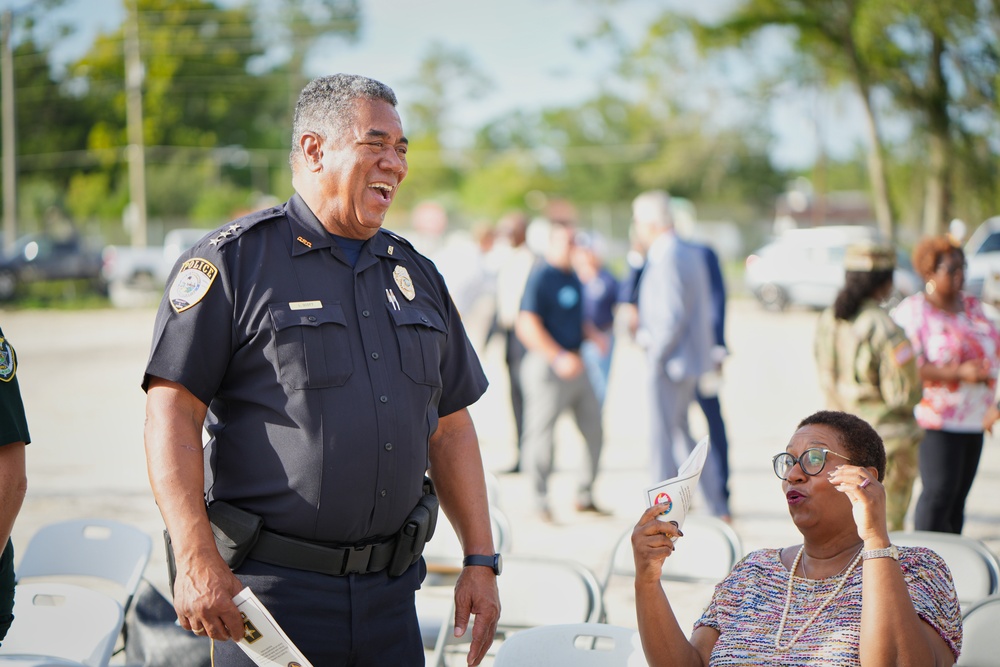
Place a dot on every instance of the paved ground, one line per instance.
(80, 375)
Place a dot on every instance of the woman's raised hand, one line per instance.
(652, 542)
(867, 497)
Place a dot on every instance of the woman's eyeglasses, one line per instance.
(951, 268)
(811, 461)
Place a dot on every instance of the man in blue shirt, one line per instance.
(553, 376)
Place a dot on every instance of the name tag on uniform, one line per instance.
(305, 305)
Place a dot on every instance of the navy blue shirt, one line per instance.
(556, 297)
(323, 381)
(13, 428)
(599, 298)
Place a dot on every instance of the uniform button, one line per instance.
(424, 320)
(312, 318)
(383, 493)
(374, 355)
(384, 399)
(365, 313)
(388, 446)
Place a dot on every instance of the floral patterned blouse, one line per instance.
(747, 606)
(940, 338)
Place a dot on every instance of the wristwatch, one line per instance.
(494, 562)
(891, 552)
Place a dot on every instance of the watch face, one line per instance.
(498, 564)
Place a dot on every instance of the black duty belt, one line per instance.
(336, 561)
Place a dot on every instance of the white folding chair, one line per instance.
(443, 557)
(534, 591)
(980, 640)
(572, 645)
(85, 550)
(702, 558)
(61, 624)
(974, 568)
(443, 554)
(706, 554)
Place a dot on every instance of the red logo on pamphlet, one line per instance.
(663, 499)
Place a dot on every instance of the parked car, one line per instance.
(982, 256)
(805, 267)
(40, 257)
(137, 276)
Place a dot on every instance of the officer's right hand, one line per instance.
(203, 597)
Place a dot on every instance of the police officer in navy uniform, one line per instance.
(13, 481)
(327, 362)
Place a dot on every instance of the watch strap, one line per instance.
(483, 561)
(890, 552)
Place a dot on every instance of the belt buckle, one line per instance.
(358, 559)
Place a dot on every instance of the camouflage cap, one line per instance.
(867, 257)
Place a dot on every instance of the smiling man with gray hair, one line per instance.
(327, 362)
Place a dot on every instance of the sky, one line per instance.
(527, 49)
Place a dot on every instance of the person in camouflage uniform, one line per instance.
(867, 367)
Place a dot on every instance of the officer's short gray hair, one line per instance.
(653, 207)
(326, 105)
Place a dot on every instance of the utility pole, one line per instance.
(9, 141)
(133, 120)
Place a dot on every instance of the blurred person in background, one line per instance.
(706, 392)
(675, 327)
(13, 480)
(600, 295)
(514, 261)
(866, 366)
(956, 347)
(553, 377)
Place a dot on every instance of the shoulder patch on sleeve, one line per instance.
(192, 283)
(8, 361)
(902, 353)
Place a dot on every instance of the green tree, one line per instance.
(936, 62)
(444, 78)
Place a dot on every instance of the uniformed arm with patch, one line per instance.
(193, 333)
(898, 375)
(13, 424)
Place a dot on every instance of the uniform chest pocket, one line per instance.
(421, 335)
(312, 345)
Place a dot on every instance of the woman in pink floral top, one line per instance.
(956, 346)
(843, 598)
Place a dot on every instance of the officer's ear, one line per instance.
(311, 145)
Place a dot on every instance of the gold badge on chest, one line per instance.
(402, 278)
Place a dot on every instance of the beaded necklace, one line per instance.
(788, 599)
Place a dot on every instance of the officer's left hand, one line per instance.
(476, 593)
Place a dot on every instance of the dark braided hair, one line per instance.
(858, 286)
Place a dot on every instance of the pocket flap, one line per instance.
(283, 316)
(418, 317)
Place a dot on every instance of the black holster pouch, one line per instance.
(235, 533)
(417, 530)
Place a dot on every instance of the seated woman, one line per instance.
(845, 596)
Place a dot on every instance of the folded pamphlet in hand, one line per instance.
(263, 639)
(675, 494)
